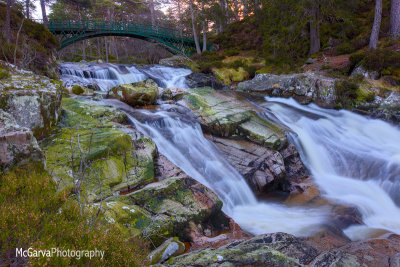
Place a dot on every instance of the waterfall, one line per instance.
(106, 76)
(167, 76)
(354, 160)
(183, 143)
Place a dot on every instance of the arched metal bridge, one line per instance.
(70, 31)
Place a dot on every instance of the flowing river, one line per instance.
(354, 160)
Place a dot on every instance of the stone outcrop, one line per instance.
(167, 207)
(34, 101)
(264, 169)
(386, 106)
(136, 94)
(304, 87)
(360, 70)
(136, 189)
(230, 75)
(17, 144)
(225, 114)
(199, 79)
(277, 249)
(122, 158)
(280, 249)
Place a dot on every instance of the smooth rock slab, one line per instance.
(226, 114)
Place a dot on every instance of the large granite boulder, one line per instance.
(304, 87)
(264, 169)
(225, 114)
(121, 159)
(136, 94)
(17, 144)
(230, 75)
(164, 209)
(34, 101)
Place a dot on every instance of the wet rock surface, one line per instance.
(304, 87)
(265, 169)
(225, 114)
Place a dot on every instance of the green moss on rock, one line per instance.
(115, 164)
(227, 115)
(136, 94)
(77, 89)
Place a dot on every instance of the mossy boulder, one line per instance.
(34, 101)
(120, 159)
(77, 89)
(229, 75)
(173, 203)
(226, 114)
(136, 94)
(171, 247)
(178, 61)
(277, 249)
(131, 220)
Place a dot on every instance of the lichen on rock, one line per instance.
(34, 101)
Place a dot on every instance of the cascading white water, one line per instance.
(353, 159)
(168, 77)
(107, 76)
(183, 143)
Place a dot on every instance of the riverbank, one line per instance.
(150, 174)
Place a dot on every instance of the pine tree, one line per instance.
(395, 19)
(373, 42)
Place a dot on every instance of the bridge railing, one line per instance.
(121, 26)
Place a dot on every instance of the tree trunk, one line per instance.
(98, 48)
(27, 2)
(180, 18)
(44, 16)
(236, 9)
(196, 39)
(222, 19)
(7, 26)
(152, 15)
(227, 12)
(106, 47)
(315, 43)
(83, 50)
(395, 19)
(245, 8)
(204, 28)
(373, 41)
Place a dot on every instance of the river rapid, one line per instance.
(355, 161)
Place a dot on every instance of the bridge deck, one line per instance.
(70, 31)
